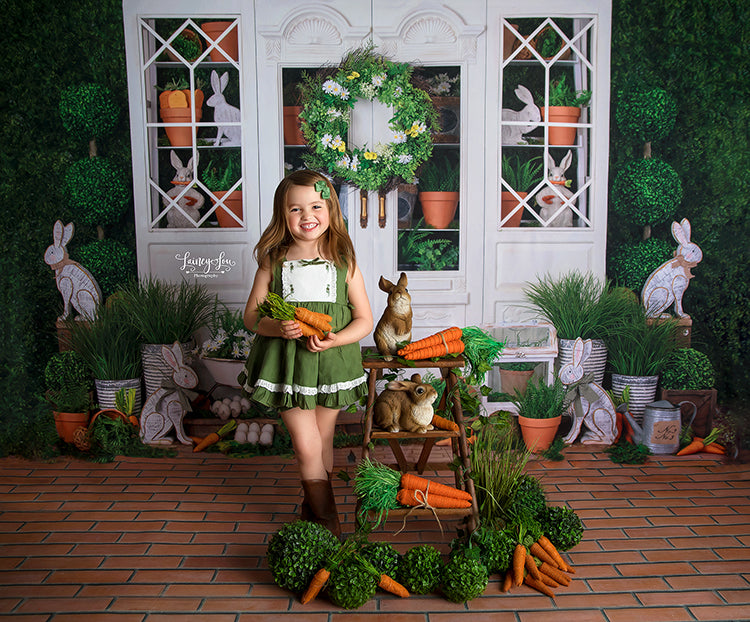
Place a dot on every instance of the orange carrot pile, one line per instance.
(541, 568)
(706, 445)
(446, 341)
(409, 481)
(413, 498)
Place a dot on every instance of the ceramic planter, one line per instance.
(293, 126)
(508, 203)
(538, 433)
(224, 371)
(561, 114)
(439, 208)
(66, 424)
(229, 44)
(233, 203)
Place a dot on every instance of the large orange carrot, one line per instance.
(319, 579)
(537, 551)
(538, 586)
(519, 559)
(531, 567)
(449, 334)
(547, 580)
(695, 446)
(412, 498)
(441, 423)
(415, 482)
(309, 331)
(214, 437)
(557, 575)
(321, 321)
(715, 448)
(560, 563)
(449, 347)
(392, 586)
(507, 582)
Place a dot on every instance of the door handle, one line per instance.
(363, 209)
(381, 210)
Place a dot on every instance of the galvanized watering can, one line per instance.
(661, 426)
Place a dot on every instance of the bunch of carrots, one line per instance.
(541, 567)
(310, 322)
(415, 490)
(706, 445)
(213, 437)
(445, 342)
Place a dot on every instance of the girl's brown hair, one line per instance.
(275, 241)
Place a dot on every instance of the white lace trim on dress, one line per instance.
(280, 387)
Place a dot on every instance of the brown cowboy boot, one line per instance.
(306, 512)
(322, 503)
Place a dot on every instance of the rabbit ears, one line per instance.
(524, 94)
(564, 163)
(61, 235)
(386, 286)
(581, 350)
(219, 84)
(177, 163)
(681, 231)
(173, 355)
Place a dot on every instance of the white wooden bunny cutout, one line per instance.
(529, 114)
(227, 135)
(189, 201)
(166, 407)
(77, 285)
(667, 284)
(592, 409)
(551, 199)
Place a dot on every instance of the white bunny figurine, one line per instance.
(592, 408)
(550, 199)
(224, 113)
(667, 284)
(77, 285)
(165, 408)
(190, 200)
(530, 114)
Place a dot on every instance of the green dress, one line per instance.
(283, 373)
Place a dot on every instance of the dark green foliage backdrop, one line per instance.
(697, 50)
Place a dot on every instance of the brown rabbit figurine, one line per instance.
(394, 326)
(405, 405)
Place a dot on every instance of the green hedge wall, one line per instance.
(697, 50)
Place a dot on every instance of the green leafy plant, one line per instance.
(529, 497)
(561, 94)
(221, 176)
(352, 583)
(419, 247)
(554, 452)
(518, 366)
(646, 114)
(112, 263)
(541, 400)
(623, 452)
(65, 369)
(521, 176)
(115, 437)
(88, 111)
(548, 42)
(687, 369)
(495, 547)
(632, 263)
(97, 191)
(464, 577)
(439, 175)
(73, 398)
(229, 338)
(188, 44)
(420, 569)
(562, 526)
(382, 556)
(646, 192)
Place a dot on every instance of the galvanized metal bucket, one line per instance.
(642, 392)
(107, 389)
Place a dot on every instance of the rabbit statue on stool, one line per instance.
(530, 115)
(77, 285)
(667, 284)
(191, 200)
(405, 405)
(166, 407)
(394, 326)
(550, 200)
(226, 135)
(591, 407)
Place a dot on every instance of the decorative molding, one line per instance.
(273, 48)
(312, 31)
(429, 31)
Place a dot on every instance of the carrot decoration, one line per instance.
(214, 437)
(441, 423)
(507, 581)
(538, 586)
(519, 559)
(317, 583)
(415, 482)
(547, 580)
(392, 586)
(537, 551)
(531, 567)
(556, 574)
(309, 331)
(196, 439)
(547, 545)
(715, 448)
(321, 321)
(310, 322)
(413, 498)
(699, 444)
(444, 336)
(449, 347)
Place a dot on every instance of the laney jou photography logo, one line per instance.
(205, 267)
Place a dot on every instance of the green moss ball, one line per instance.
(351, 583)
(687, 369)
(382, 556)
(646, 191)
(88, 111)
(98, 192)
(463, 578)
(646, 115)
(110, 262)
(631, 264)
(420, 568)
(562, 526)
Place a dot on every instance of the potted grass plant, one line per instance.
(109, 344)
(564, 107)
(577, 304)
(438, 191)
(520, 177)
(163, 313)
(540, 411)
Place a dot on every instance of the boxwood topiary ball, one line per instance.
(646, 191)
(464, 578)
(687, 369)
(646, 115)
(351, 585)
(419, 569)
(112, 263)
(631, 264)
(88, 111)
(66, 369)
(97, 191)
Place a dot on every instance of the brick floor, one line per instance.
(185, 538)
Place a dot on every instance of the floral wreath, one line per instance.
(327, 103)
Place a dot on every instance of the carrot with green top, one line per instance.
(699, 444)
(321, 321)
(394, 587)
(518, 564)
(215, 437)
(537, 551)
(557, 575)
(410, 481)
(531, 567)
(444, 336)
(443, 349)
(414, 498)
(317, 583)
(547, 545)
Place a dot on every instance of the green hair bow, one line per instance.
(323, 188)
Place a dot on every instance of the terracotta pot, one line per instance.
(439, 208)
(510, 41)
(229, 44)
(562, 114)
(293, 126)
(233, 203)
(67, 424)
(507, 204)
(538, 433)
(513, 379)
(180, 136)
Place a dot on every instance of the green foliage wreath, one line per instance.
(327, 103)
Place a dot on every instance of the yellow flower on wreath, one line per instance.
(353, 75)
(371, 155)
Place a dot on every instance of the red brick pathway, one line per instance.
(185, 538)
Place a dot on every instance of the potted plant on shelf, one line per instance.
(421, 250)
(68, 382)
(564, 106)
(520, 177)
(187, 44)
(225, 351)
(163, 313)
(109, 346)
(438, 191)
(220, 178)
(637, 353)
(176, 103)
(291, 97)
(688, 375)
(445, 90)
(514, 377)
(548, 43)
(228, 48)
(578, 305)
(540, 411)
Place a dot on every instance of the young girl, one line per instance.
(306, 256)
